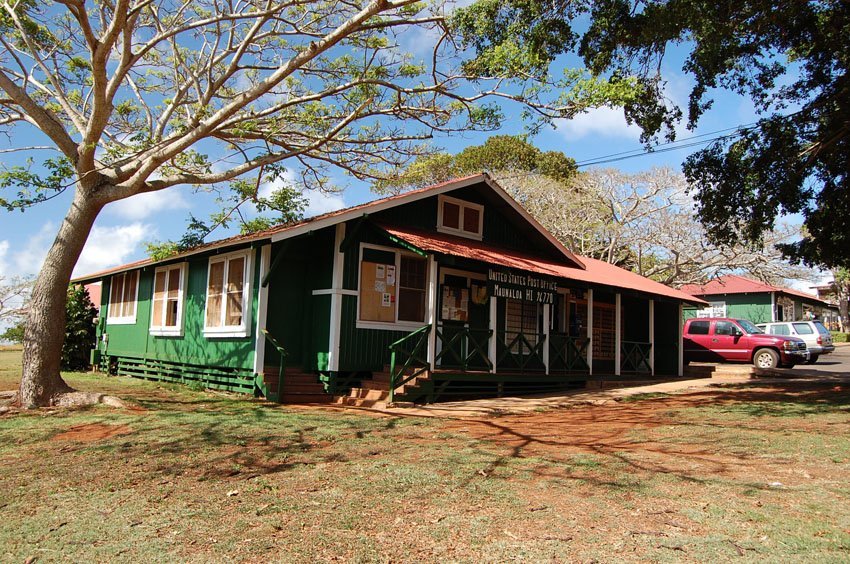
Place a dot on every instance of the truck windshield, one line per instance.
(749, 327)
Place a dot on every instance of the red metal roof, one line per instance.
(734, 284)
(595, 271)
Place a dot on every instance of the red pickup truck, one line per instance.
(721, 339)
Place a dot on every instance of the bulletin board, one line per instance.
(455, 304)
(377, 291)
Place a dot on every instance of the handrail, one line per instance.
(570, 350)
(523, 359)
(448, 348)
(635, 355)
(282, 367)
(414, 358)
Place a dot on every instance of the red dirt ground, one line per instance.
(91, 432)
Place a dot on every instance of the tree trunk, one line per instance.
(44, 334)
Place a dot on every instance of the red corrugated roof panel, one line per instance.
(734, 284)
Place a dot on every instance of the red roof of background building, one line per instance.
(595, 271)
(734, 284)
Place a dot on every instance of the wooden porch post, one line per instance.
(546, 331)
(262, 311)
(432, 311)
(618, 338)
(336, 300)
(652, 337)
(491, 349)
(681, 343)
(590, 331)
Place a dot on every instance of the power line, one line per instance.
(693, 141)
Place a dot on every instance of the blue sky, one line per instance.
(123, 227)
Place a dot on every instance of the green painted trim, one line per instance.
(277, 260)
(351, 238)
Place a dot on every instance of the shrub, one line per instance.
(839, 337)
(80, 330)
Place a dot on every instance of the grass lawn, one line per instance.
(747, 473)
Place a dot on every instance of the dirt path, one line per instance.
(624, 430)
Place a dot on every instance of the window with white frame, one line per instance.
(167, 303)
(392, 286)
(123, 294)
(460, 217)
(228, 293)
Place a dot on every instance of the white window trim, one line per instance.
(231, 330)
(128, 319)
(463, 204)
(390, 325)
(161, 330)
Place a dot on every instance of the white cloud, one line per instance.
(321, 202)
(600, 122)
(4, 250)
(29, 259)
(145, 205)
(111, 246)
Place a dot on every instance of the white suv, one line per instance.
(817, 337)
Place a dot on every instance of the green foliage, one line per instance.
(500, 153)
(14, 334)
(80, 330)
(839, 337)
(782, 56)
(35, 187)
(286, 201)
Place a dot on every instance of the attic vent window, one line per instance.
(460, 218)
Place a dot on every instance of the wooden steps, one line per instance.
(375, 392)
(364, 397)
(298, 387)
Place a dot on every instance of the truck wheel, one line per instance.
(813, 359)
(766, 358)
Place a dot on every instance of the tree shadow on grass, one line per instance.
(619, 432)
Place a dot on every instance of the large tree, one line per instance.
(136, 96)
(789, 58)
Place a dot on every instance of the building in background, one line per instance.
(744, 298)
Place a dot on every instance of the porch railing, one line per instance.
(635, 356)
(463, 348)
(520, 351)
(568, 353)
(276, 395)
(408, 358)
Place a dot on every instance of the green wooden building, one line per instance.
(744, 298)
(447, 291)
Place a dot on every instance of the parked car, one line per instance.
(817, 337)
(722, 339)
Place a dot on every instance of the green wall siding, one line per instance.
(755, 307)
(363, 349)
(422, 214)
(193, 347)
(298, 319)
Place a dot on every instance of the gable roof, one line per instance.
(594, 271)
(294, 229)
(734, 284)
